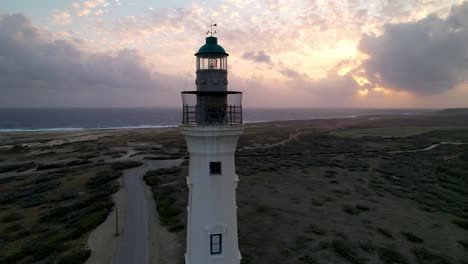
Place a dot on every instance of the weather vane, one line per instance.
(211, 32)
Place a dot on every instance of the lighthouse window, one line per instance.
(211, 63)
(216, 244)
(215, 168)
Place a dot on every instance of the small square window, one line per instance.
(216, 244)
(215, 168)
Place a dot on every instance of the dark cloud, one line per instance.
(260, 56)
(37, 69)
(429, 56)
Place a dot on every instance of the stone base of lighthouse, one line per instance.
(212, 182)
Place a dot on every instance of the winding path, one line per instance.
(135, 241)
(433, 146)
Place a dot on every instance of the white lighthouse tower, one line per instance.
(212, 124)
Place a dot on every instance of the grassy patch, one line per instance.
(412, 237)
(389, 255)
(346, 251)
(167, 185)
(123, 165)
(76, 257)
(425, 256)
(464, 243)
(58, 212)
(316, 230)
(308, 260)
(385, 232)
(461, 223)
(17, 167)
(13, 216)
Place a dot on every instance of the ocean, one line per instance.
(62, 119)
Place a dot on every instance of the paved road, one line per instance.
(134, 242)
(134, 245)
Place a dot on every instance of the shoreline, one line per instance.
(82, 129)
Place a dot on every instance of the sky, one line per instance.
(302, 53)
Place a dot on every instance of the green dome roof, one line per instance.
(211, 46)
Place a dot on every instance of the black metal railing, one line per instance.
(212, 114)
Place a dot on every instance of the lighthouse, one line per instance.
(211, 125)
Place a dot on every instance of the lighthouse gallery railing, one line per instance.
(212, 108)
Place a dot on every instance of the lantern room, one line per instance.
(211, 103)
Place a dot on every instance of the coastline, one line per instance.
(265, 118)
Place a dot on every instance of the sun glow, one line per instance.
(363, 92)
(361, 80)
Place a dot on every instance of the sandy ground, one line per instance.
(104, 245)
(103, 242)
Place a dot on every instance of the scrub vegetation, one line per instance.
(48, 210)
(322, 191)
(319, 197)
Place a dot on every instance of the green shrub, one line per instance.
(385, 232)
(389, 256)
(351, 210)
(101, 178)
(39, 249)
(50, 166)
(308, 260)
(412, 237)
(464, 244)
(425, 256)
(461, 223)
(17, 167)
(76, 257)
(12, 217)
(316, 230)
(346, 251)
(368, 246)
(123, 165)
(78, 162)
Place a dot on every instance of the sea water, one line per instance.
(62, 119)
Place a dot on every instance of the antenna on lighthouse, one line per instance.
(211, 32)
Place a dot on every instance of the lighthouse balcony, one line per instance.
(212, 108)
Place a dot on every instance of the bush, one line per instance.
(350, 210)
(424, 256)
(461, 223)
(464, 244)
(123, 165)
(385, 232)
(76, 258)
(78, 162)
(346, 251)
(101, 178)
(390, 256)
(12, 217)
(412, 237)
(17, 167)
(39, 249)
(50, 166)
(308, 260)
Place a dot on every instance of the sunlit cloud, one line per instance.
(61, 18)
(327, 51)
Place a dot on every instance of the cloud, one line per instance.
(83, 12)
(89, 6)
(61, 18)
(429, 56)
(259, 56)
(95, 3)
(38, 69)
(331, 90)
